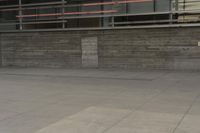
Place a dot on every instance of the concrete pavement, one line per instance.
(98, 101)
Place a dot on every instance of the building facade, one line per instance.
(76, 14)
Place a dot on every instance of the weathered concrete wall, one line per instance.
(174, 48)
(0, 52)
(41, 50)
(164, 48)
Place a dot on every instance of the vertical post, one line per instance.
(101, 19)
(171, 11)
(112, 21)
(127, 11)
(112, 18)
(176, 9)
(177, 5)
(154, 5)
(154, 9)
(20, 14)
(184, 6)
(63, 12)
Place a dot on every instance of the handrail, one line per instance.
(81, 5)
(34, 4)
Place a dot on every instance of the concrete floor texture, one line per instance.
(98, 101)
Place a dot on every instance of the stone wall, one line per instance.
(159, 48)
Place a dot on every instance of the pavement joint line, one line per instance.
(25, 112)
(185, 114)
(70, 76)
(136, 109)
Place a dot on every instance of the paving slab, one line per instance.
(147, 122)
(90, 120)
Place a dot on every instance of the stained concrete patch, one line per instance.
(89, 52)
(90, 120)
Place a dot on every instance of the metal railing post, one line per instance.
(63, 13)
(171, 11)
(177, 5)
(20, 14)
(112, 18)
